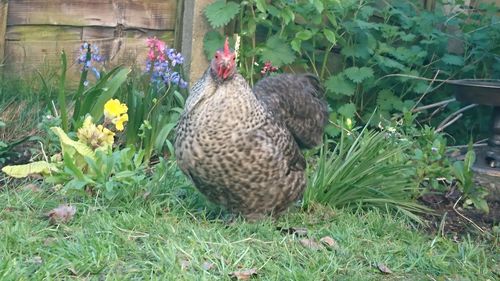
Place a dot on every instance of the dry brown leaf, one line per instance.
(384, 269)
(207, 265)
(49, 241)
(297, 231)
(36, 260)
(329, 242)
(243, 274)
(62, 214)
(32, 187)
(311, 244)
(185, 264)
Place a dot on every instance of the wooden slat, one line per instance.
(4, 7)
(43, 33)
(26, 56)
(150, 14)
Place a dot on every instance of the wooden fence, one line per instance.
(33, 32)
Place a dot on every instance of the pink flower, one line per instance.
(268, 68)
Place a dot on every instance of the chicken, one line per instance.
(241, 147)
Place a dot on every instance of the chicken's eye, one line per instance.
(216, 56)
(234, 58)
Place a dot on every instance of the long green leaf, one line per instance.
(109, 90)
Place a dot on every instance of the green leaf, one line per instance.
(261, 5)
(339, 85)
(330, 36)
(22, 171)
(358, 75)
(386, 100)
(70, 146)
(278, 52)
(109, 90)
(211, 43)
(453, 60)
(347, 110)
(304, 35)
(220, 13)
(318, 4)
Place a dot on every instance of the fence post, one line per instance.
(4, 5)
(194, 27)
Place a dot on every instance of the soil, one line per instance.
(453, 219)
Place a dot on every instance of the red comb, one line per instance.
(226, 46)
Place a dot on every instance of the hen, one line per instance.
(241, 146)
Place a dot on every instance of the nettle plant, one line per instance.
(370, 54)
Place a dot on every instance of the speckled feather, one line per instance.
(236, 147)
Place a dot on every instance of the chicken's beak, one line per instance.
(224, 68)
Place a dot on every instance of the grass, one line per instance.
(150, 238)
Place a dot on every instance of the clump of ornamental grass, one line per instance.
(364, 170)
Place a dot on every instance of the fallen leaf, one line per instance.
(145, 195)
(49, 241)
(384, 269)
(311, 244)
(207, 265)
(297, 231)
(36, 260)
(62, 214)
(185, 264)
(329, 241)
(32, 187)
(243, 274)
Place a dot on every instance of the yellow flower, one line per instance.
(97, 137)
(120, 120)
(116, 112)
(113, 108)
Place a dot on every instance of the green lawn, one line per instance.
(170, 235)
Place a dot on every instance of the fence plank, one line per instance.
(4, 7)
(150, 14)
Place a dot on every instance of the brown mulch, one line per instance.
(453, 218)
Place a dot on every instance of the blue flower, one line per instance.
(89, 54)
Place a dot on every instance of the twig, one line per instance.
(427, 90)
(441, 103)
(55, 109)
(444, 126)
(458, 112)
(464, 217)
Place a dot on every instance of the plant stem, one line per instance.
(61, 99)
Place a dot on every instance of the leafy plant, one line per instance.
(90, 164)
(364, 170)
(370, 54)
(462, 170)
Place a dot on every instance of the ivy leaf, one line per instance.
(220, 13)
(358, 75)
(453, 60)
(337, 84)
(347, 110)
(212, 42)
(277, 51)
